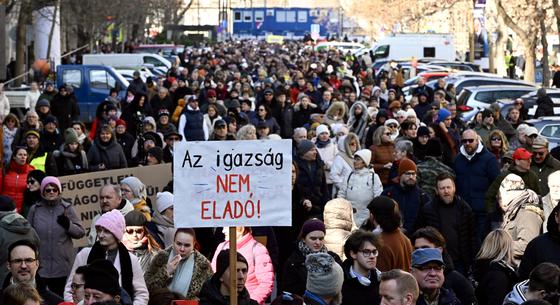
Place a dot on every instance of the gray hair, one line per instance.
(404, 145)
(116, 188)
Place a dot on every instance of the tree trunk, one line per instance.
(470, 21)
(530, 57)
(51, 33)
(501, 48)
(544, 61)
(491, 54)
(556, 8)
(21, 33)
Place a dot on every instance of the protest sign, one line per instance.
(233, 183)
(83, 189)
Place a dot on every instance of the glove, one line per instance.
(63, 221)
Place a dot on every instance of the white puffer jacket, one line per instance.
(360, 188)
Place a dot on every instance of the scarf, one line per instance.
(304, 249)
(183, 274)
(523, 199)
(322, 144)
(99, 252)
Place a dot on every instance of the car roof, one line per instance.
(499, 87)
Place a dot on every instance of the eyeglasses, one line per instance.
(368, 253)
(496, 139)
(137, 231)
(19, 261)
(76, 286)
(410, 173)
(436, 268)
(31, 181)
(465, 141)
(387, 134)
(51, 190)
(509, 162)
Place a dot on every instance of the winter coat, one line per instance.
(66, 109)
(270, 122)
(31, 99)
(295, 273)
(71, 163)
(141, 295)
(210, 295)
(531, 182)
(209, 122)
(156, 103)
(260, 277)
(464, 245)
(545, 107)
(111, 154)
(355, 293)
(57, 250)
(311, 182)
(156, 277)
(517, 295)
(285, 117)
(339, 223)
(8, 137)
(14, 182)
(495, 280)
(381, 155)
(50, 141)
(360, 188)
(410, 200)
(474, 176)
(126, 141)
(341, 166)
(543, 170)
(358, 125)
(446, 297)
(137, 86)
(302, 115)
(328, 154)
(524, 228)
(396, 252)
(165, 229)
(543, 248)
(13, 227)
(428, 171)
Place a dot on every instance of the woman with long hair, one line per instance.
(180, 267)
(138, 239)
(493, 268)
(497, 144)
(210, 117)
(343, 163)
(14, 177)
(382, 153)
(264, 116)
(32, 193)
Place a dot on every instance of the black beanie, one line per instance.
(222, 263)
(6, 204)
(135, 218)
(101, 275)
(157, 152)
(433, 148)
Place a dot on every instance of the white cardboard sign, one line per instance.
(232, 183)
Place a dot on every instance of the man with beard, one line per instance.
(407, 194)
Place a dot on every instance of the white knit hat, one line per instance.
(322, 128)
(364, 154)
(164, 201)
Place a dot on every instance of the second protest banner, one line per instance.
(233, 183)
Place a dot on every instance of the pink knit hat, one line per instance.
(50, 180)
(113, 222)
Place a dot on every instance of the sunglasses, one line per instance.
(465, 141)
(51, 190)
(539, 153)
(31, 181)
(387, 134)
(137, 231)
(496, 139)
(392, 126)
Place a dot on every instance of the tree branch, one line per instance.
(509, 21)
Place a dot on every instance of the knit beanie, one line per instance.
(364, 154)
(138, 188)
(51, 119)
(36, 174)
(157, 153)
(101, 275)
(310, 226)
(70, 136)
(443, 114)
(43, 102)
(150, 120)
(31, 132)
(304, 146)
(324, 275)
(222, 263)
(6, 204)
(50, 180)
(322, 128)
(121, 122)
(112, 221)
(135, 218)
(164, 200)
(406, 165)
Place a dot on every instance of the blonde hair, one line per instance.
(378, 135)
(499, 133)
(497, 246)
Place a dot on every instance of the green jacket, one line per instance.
(531, 182)
(543, 170)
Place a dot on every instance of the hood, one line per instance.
(364, 110)
(161, 220)
(339, 215)
(551, 224)
(14, 222)
(335, 108)
(469, 157)
(517, 295)
(381, 114)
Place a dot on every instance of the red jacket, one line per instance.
(14, 182)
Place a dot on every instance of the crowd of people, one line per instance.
(394, 201)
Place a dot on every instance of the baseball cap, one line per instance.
(426, 255)
(521, 154)
(531, 131)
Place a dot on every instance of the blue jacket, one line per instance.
(410, 202)
(446, 297)
(474, 177)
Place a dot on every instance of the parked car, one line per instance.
(548, 127)
(473, 99)
(457, 65)
(530, 102)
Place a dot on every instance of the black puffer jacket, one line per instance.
(495, 280)
(110, 154)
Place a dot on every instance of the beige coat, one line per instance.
(526, 226)
(339, 222)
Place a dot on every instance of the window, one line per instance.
(430, 52)
(100, 79)
(72, 77)
(259, 16)
(237, 17)
(280, 16)
(382, 51)
(302, 16)
(290, 16)
(269, 13)
(485, 97)
(247, 16)
(551, 131)
(154, 61)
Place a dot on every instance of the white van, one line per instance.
(426, 46)
(123, 60)
(339, 45)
